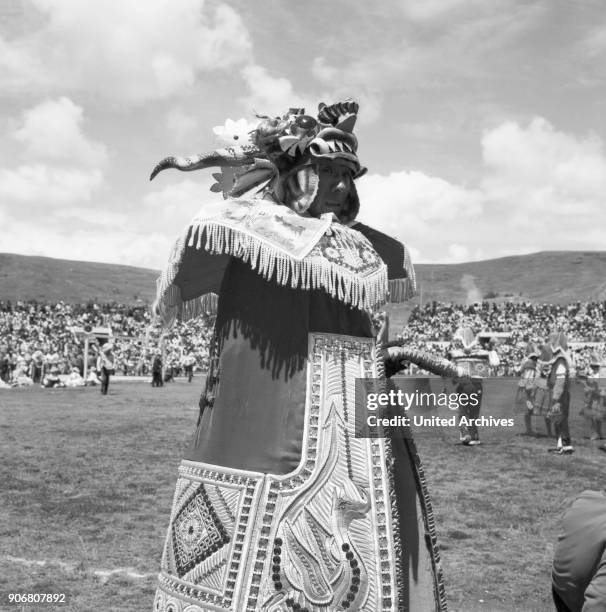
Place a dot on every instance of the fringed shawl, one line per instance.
(357, 265)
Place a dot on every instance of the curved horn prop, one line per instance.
(428, 361)
(232, 157)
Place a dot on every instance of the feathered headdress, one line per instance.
(558, 341)
(281, 149)
(464, 338)
(594, 360)
(532, 350)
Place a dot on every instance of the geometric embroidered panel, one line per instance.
(197, 532)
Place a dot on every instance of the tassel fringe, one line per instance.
(402, 289)
(364, 289)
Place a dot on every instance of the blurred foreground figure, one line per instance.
(579, 564)
(279, 506)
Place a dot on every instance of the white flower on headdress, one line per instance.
(234, 132)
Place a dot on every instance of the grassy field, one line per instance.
(87, 484)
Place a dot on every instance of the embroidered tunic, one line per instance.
(278, 505)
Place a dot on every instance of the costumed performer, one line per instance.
(541, 394)
(278, 506)
(468, 355)
(594, 408)
(529, 372)
(558, 392)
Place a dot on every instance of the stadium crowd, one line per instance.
(584, 323)
(38, 340)
(44, 343)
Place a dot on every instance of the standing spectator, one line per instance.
(157, 370)
(169, 369)
(188, 365)
(106, 365)
(5, 370)
(76, 360)
(37, 366)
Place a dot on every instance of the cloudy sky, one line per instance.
(482, 123)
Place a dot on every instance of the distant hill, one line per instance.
(558, 276)
(45, 279)
(551, 276)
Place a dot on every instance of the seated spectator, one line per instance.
(92, 379)
(52, 378)
(20, 375)
(73, 379)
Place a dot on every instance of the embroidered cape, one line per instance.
(358, 265)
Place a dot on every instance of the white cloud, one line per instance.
(274, 95)
(323, 71)
(352, 82)
(42, 186)
(180, 124)
(426, 198)
(52, 130)
(102, 217)
(427, 10)
(268, 95)
(64, 241)
(450, 47)
(58, 223)
(17, 65)
(593, 46)
(176, 203)
(458, 253)
(63, 168)
(542, 175)
(423, 211)
(119, 49)
(541, 189)
(520, 249)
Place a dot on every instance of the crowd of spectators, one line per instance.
(45, 343)
(584, 323)
(47, 340)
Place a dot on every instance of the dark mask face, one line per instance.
(334, 189)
